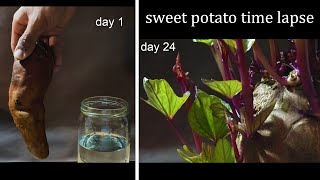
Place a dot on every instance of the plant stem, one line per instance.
(303, 57)
(246, 88)
(315, 68)
(234, 112)
(197, 141)
(217, 58)
(225, 60)
(233, 142)
(225, 52)
(265, 63)
(275, 53)
(178, 132)
(182, 79)
(233, 102)
(196, 137)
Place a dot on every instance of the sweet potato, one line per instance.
(30, 80)
(287, 135)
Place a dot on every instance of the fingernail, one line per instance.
(19, 54)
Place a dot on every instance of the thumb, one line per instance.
(27, 41)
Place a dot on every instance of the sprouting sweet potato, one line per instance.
(30, 80)
(287, 135)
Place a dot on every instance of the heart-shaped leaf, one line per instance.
(204, 121)
(227, 88)
(218, 110)
(223, 152)
(162, 97)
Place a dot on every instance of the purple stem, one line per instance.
(227, 75)
(233, 142)
(182, 79)
(217, 58)
(256, 59)
(265, 63)
(234, 112)
(178, 132)
(303, 58)
(197, 141)
(275, 53)
(225, 62)
(233, 102)
(315, 68)
(196, 137)
(246, 88)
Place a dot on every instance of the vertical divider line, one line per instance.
(137, 61)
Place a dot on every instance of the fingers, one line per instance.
(31, 23)
(57, 51)
(26, 29)
(27, 41)
(19, 25)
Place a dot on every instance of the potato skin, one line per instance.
(30, 80)
(287, 135)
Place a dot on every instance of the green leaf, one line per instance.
(223, 152)
(188, 151)
(227, 88)
(208, 42)
(187, 154)
(218, 110)
(232, 44)
(207, 153)
(204, 121)
(162, 97)
(247, 44)
(206, 156)
(190, 156)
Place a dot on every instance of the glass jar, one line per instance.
(103, 135)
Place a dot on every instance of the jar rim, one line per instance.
(119, 109)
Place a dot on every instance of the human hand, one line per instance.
(31, 23)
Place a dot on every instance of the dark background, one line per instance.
(158, 141)
(96, 61)
(225, 30)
